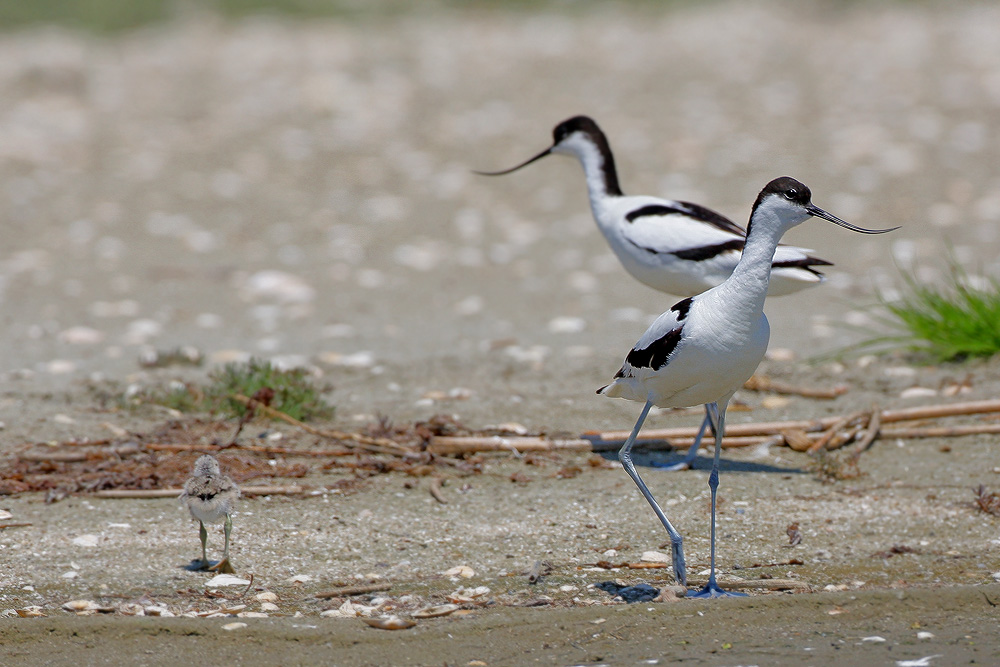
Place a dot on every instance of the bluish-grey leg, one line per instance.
(692, 454)
(676, 541)
(712, 589)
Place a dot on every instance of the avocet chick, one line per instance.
(211, 496)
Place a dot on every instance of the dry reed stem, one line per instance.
(290, 490)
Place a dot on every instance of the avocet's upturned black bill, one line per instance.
(547, 151)
(705, 347)
(817, 212)
(672, 246)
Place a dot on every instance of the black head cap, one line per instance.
(583, 124)
(787, 187)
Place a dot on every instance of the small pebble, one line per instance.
(234, 626)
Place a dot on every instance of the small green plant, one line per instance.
(950, 323)
(292, 392)
(295, 393)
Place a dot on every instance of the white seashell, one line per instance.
(86, 540)
(34, 611)
(266, 596)
(4, 515)
(132, 609)
(460, 571)
(226, 580)
(436, 611)
(297, 579)
(269, 606)
(390, 623)
(234, 626)
(156, 610)
(235, 609)
(925, 635)
(874, 639)
(80, 605)
(347, 610)
(917, 392)
(654, 557)
(252, 614)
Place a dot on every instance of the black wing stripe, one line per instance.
(702, 253)
(806, 263)
(689, 210)
(655, 356)
(711, 217)
(653, 209)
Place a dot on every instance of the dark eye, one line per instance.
(791, 193)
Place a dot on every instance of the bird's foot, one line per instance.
(713, 590)
(680, 569)
(198, 564)
(223, 566)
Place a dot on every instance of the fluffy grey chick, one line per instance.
(211, 496)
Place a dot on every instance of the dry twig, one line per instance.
(291, 490)
(764, 383)
(347, 591)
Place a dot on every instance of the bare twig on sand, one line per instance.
(347, 591)
(810, 426)
(19, 524)
(799, 435)
(871, 432)
(290, 490)
(435, 490)
(823, 441)
(764, 383)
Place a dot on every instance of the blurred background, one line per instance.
(292, 180)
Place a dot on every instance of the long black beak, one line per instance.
(507, 171)
(820, 213)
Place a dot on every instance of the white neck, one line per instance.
(598, 167)
(746, 288)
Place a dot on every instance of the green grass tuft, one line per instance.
(949, 323)
(295, 393)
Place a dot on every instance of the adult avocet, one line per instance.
(705, 347)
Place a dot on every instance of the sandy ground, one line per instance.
(301, 191)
